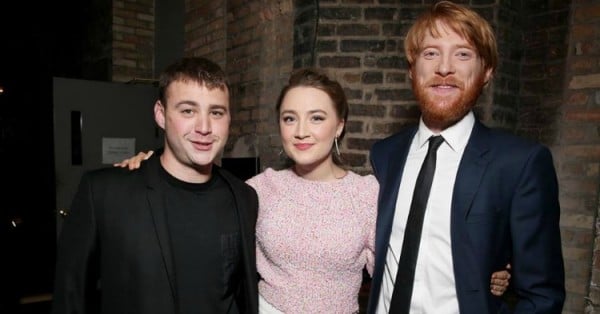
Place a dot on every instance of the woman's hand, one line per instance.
(135, 161)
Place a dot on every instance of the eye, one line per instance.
(219, 113)
(187, 111)
(465, 54)
(317, 118)
(429, 54)
(287, 119)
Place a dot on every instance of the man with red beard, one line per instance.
(493, 198)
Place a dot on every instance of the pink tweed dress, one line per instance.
(313, 240)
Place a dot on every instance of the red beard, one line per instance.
(440, 112)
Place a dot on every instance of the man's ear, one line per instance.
(488, 76)
(159, 114)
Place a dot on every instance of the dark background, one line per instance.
(39, 40)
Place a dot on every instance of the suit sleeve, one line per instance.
(76, 249)
(538, 269)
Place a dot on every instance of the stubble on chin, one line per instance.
(439, 112)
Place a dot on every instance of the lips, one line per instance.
(444, 87)
(447, 83)
(202, 145)
(303, 146)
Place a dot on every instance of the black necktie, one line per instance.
(403, 286)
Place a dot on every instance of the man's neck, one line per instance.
(184, 172)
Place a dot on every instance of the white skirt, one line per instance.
(265, 307)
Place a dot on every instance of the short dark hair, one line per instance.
(195, 69)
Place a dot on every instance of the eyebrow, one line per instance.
(309, 112)
(437, 46)
(218, 106)
(195, 104)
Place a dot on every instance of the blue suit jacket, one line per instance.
(505, 208)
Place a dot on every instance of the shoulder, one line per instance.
(363, 190)
(508, 143)
(368, 180)
(498, 136)
(507, 149)
(269, 176)
(147, 171)
(111, 182)
(404, 135)
(110, 174)
(239, 187)
(364, 185)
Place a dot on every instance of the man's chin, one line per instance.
(205, 160)
(441, 120)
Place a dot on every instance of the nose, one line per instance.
(445, 66)
(203, 124)
(301, 130)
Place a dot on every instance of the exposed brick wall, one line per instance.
(361, 44)
(500, 105)
(253, 42)
(132, 40)
(543, 51)
(259, 60)
(306, 25)
(206, 29)
(244, 48)
(578, 154)
(542, 93)
(547, 86)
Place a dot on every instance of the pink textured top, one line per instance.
(313, 240)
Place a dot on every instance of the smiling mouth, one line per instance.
(202, 145)
(444, 88)
(447, 83)
(303, 146)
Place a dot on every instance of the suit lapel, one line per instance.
(156, 207)
(246, 207)
(390, 183)
(388, 158)
(471, 169)
(389, 164)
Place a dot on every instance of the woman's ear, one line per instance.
(340, 128)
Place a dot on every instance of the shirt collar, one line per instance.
(456, 136)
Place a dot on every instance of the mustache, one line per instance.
(451, 81)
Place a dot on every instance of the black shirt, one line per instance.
(205, 238)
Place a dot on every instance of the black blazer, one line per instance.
(116, 230)
(504, 208)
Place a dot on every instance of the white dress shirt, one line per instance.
(434, 287)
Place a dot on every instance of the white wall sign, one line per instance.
(116, 149)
